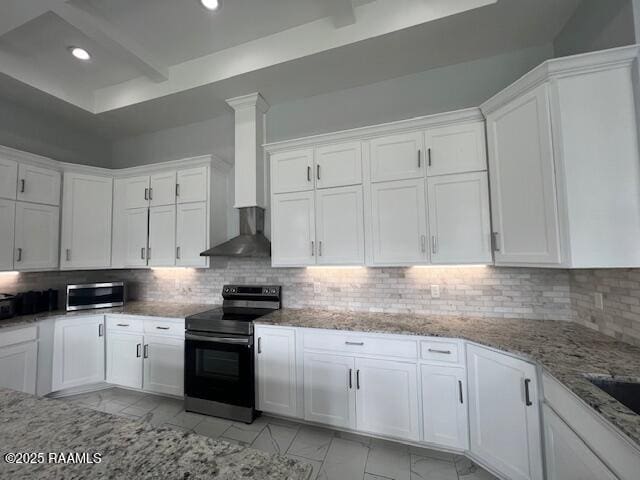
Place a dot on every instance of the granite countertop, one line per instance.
(567, 351)
(129, 448)
(147, 309)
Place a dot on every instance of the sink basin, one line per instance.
(626, 392)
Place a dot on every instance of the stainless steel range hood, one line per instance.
(249, 181)
(250, 243)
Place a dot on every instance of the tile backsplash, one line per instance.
(478, 291)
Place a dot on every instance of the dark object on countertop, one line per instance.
(7, 305)
(30, 302)
(627, 393)
(52, 299)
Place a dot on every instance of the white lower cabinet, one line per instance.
(329, 389)
(387, 398)
(504, 415)
(567, 456)
(124, 359)
(78, 351)
(276, 370)
(164, 365)
(18, 365)
(444, 407)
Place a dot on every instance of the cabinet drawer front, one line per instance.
(20, 335)
(361, 344)
(124, 324)
(439, 351)
(164, 327)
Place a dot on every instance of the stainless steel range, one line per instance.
(219, 352)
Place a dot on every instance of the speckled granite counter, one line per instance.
(566, 350)
(129, 448)
(148, 309)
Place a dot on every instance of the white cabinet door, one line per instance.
(340, 226)
(78, 352)
(523, 182)
(162, 236)
(38, 185)
(276, 370)
(135, 191)
(7, 220)
(18, 365)
(36, 236)
(504, 419)
(124, 359)
(292, 171)
(399, 222)
(338, 165)
(456, 149)
(293, 229)
(193, 185)
(192, 235)
(86, 221)
(459, 221)
(397, 157)
(163, 189)
(135, 224)
(387, 398)
(567, 456)
(329, 390)
(444, 408)
(8, 178)
(164, 365)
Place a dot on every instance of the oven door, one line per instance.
(220, 368)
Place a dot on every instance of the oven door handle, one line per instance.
(204, 338)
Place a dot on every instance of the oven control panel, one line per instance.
(255, 291)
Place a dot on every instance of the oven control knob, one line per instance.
(233, 290)
(273, 290)
(266, 290)
(226, 290)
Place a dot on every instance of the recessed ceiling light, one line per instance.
(210, 4)
(80, 53)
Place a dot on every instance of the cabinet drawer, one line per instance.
(20, 335)
(124, 324)
(162, 326)
(440, 351)
(361, 344)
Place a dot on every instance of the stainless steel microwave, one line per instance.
(95, 295)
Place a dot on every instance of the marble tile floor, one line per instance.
(334, 455)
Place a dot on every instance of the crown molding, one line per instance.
(251, 100)
(364, 133)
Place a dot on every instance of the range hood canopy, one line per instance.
(249, 181)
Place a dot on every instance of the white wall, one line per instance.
(213, 136)
(433, 91)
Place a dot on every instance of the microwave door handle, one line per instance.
(204, 338)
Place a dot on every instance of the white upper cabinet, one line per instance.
(456, 149)
(293, 231)
(523, 181)
(37, 232)
(134, 225)
(162, 236)
(398, 222)
(163, 189)
(459, 223)
(504, 415)
(397, 157)
(7, 220)
(340, 226)
(134, 191)
(192, 185)
(86, 221)
(8, 178)
(38, 185)
(338, 165)
(292, 171)
(192, 237)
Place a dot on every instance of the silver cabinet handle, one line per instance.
(100, 330)
(429, 156)
(419, 158)
(435, 350)
(434, 246)
(423, 243)
(350, 380)
(148, 253)
(19, 255)
(68, 254)
(142, 253)
(151, 194)
(178, 253)
(320, 248)
(177, 189)
(259, 344)
(460, 390)
(358, 379)
(313, 248)
(138, 348)
(146, 194)
(22, 185)
(146, 351)
(308, 173)
(163, 328)
(527, 397)
(494, 241)
(122, 324)
(357, 344)
(318, 171)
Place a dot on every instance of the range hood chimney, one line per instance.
(249, 180)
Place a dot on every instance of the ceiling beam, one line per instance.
(109, 37)
(341, 12)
